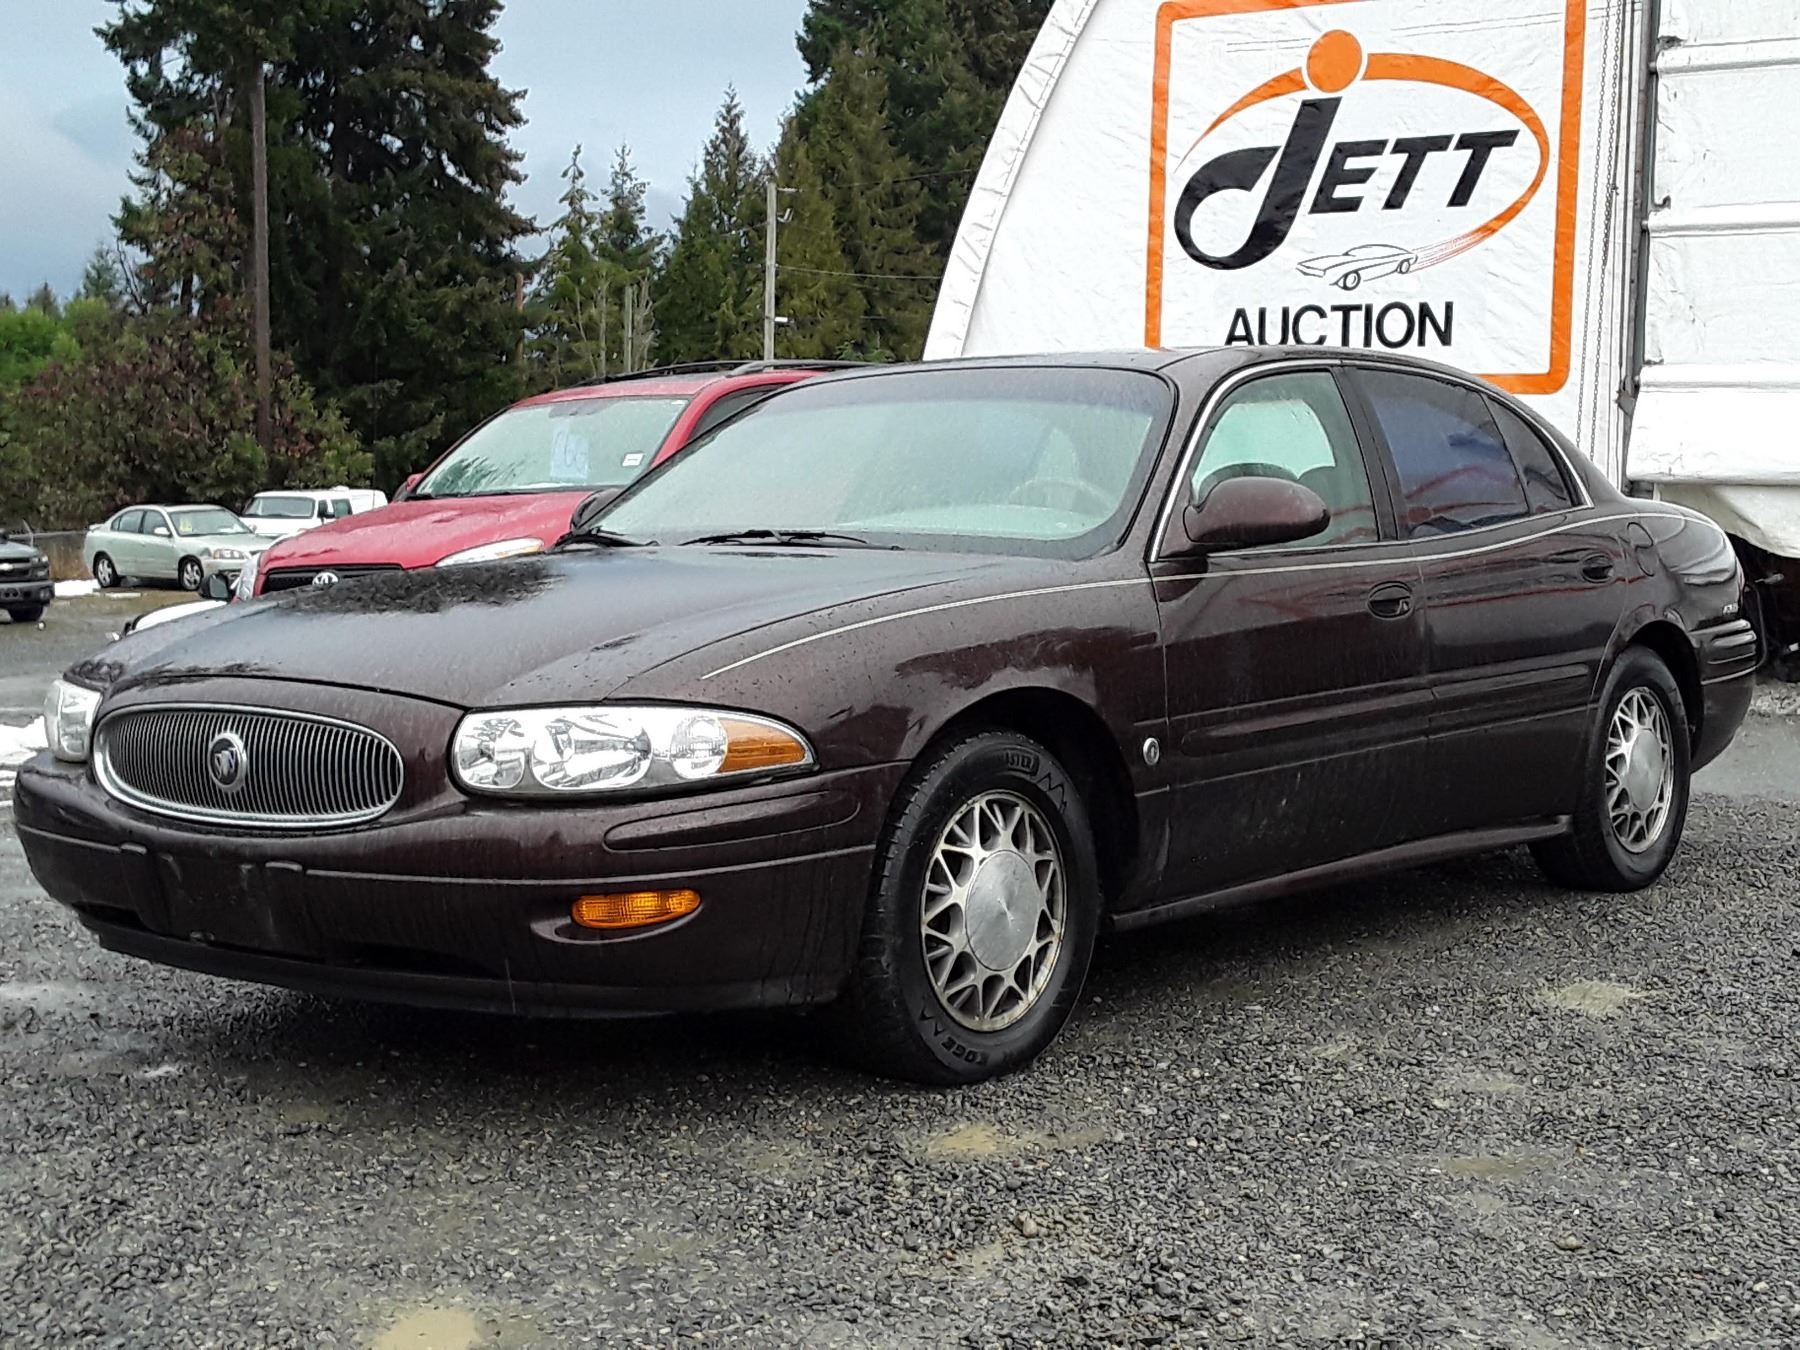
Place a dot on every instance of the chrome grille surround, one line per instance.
(302, 772)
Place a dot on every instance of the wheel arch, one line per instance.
(1670, 642)
(1074, 732)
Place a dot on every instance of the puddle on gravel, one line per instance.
(1496, 1167)
(1596, 999)
(980, 1140)
(431, 1329)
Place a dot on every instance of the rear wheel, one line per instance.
(27, 613)
(191, 574)
(1634, 793)
(104, 572)
(982, 917)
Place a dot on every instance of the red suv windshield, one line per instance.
(556, 447)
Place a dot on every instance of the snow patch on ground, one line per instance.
(73, 590)
(18, 744)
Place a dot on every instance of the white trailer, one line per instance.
(1596, 203)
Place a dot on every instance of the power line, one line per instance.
(912, 178)
(860, 276)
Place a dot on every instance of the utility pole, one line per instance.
(259, 258)
(630, 326)
(771, 265)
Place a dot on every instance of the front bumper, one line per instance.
(229, 567)
(26, 593)
(398, 912)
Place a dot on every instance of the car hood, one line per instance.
(243, 543)
(544, 630)
(11, 550)
(424, 533)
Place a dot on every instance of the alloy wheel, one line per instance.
(994, 910)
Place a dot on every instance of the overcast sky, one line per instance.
(650, 73)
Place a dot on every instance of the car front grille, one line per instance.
(299, 578)
(247, 767)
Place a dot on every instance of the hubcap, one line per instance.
(993, 911)
(1640, 772)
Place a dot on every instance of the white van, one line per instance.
(278, 515)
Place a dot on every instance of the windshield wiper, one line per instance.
(603, 539)
(806, 537)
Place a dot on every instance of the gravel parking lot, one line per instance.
(1454, 1107)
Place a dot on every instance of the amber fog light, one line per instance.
(643, 909)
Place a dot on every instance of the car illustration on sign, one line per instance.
(1363, 263)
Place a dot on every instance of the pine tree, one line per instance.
(44, 301)
(574, 309)
(395, 267)
(709, 291)
(821, 302)
(877, 199)
(949, 65)
(629, 248)
(102, 279)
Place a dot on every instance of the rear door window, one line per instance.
(1455, 471)
(1546, 485)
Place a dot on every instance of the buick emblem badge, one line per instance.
(325, 579)
(227, 761)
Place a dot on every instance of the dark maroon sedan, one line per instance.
(897, 692)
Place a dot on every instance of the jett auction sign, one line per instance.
(1403, 175)
(1362, 186)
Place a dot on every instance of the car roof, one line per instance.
(689, 381)
(1203, 361)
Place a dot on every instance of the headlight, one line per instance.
(245, 589)
(69, 720)
(510, 548)
(40, 568)
(561, 752)
(225, 554)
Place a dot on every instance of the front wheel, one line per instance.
(1634, 793)
(26, 613)
(191, 574)
(983, 911)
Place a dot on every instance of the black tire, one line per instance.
(891, 1016)
(106, 572)
(1351, 280)
(190, 575)
(27, 613)
(1591, 857)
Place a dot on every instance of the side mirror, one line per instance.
(405, 490)
(1255, 513)
(216, 587)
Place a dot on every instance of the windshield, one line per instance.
(558, 447)
(281, 508)
(1034, 461)
(211, 520)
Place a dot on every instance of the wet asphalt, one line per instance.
(1454, 1107)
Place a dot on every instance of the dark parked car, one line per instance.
(898, 693)
(25, 586)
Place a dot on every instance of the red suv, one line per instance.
(510, 487)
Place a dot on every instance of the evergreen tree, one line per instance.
(574, 308)
(877, 198)
(102, 279)
(949, 66)
(43, 300)
(395, 275)
(710, 288)
(822, 303)
(629, 248)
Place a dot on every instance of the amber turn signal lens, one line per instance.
(644, 909)
(755, 748)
